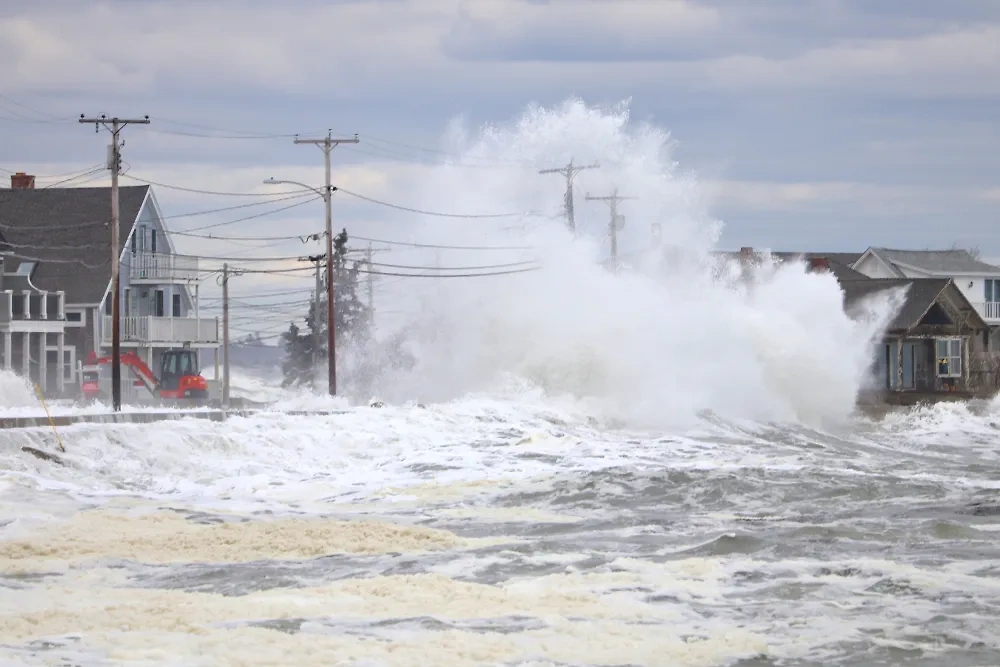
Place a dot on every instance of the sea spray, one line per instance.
(656, 342)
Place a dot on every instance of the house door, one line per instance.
(909, 358)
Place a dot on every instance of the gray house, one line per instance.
(937, 342)
(32, 327)
(60, 239)
(978, 281)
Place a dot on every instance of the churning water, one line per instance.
(658, 468)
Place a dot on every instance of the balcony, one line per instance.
(153, 268)
(31, 311)
(164, 331)
(989, 310)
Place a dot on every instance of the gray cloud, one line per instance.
(819, 123)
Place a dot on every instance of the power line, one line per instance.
(434, 213)
(441, 247)
(220, 194)
(250, 217)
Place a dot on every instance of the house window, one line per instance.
(158, 307)
(107, 305)
(73, 316)
(992, 286)
(949, 357)
(152, 240)
(176, 305)
(133, 241)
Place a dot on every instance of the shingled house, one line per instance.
(939, 341)
(978, 281)
(60, 239)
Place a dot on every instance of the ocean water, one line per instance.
(658, 467)
(500, 532)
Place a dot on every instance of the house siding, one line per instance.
(872, 267)
(148, 235)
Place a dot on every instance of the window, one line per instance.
(949, 357)
(107, 305)
(133, 242)
(152, 240)
(992, 287)
(73, 316)
(158, 306)
(176, 305)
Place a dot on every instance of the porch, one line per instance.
(923, 364)
(154, 331)
(161, 268)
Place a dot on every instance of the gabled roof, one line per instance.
(67, 232)
(922, 294)
(840, 262)
(940, 262)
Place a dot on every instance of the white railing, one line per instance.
(158, 267)
(164, 329)
(989, 310)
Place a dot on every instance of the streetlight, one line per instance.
(326, 194)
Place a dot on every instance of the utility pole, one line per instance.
(114, 164)
(569, 171)
(615, 224)
(371, 283)
(226, 275)
(317, 307)
(327, 144)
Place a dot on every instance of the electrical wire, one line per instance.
(434, 213)
(252, 217)
(441, 247)
(220, 194)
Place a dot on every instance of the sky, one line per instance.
(811, 124)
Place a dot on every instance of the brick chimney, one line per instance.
(819, 264)
(22, 181)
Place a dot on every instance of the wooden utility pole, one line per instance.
(371, 282)
(114, 164)
(569, 171)
(616, 222)
(226, 275)
(327, 144)
(317, 308)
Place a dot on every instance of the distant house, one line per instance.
(32, 326)
(61, 238)
(937, 342)
(978, 281)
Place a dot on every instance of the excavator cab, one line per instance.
(179, 375)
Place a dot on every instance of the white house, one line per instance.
(978, 281)
(60, 238)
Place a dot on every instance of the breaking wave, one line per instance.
(677, 332)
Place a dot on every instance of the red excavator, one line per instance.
(179, 376)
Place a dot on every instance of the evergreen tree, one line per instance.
(352, 320)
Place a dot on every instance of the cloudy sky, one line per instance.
(810, 124)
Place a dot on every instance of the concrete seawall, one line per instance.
(144, 417)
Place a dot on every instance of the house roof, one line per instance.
(921, 295)
(935, 261)
(66, 231)
(840, 262)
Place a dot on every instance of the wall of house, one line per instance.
(873, 268)
(148, 235)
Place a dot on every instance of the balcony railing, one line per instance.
(20, 305)
(153, 330)
(989, 310)
(159, 267)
